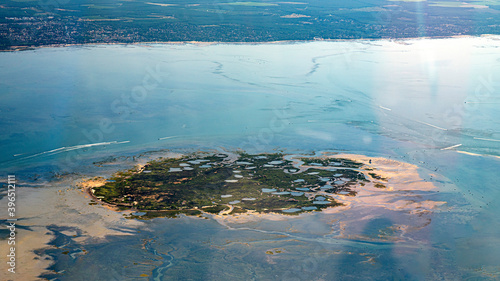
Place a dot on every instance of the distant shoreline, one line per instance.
(283, 42)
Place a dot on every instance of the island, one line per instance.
(232, 183)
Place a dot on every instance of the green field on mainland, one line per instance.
(252, 4)
(451, 4)
(32, 23)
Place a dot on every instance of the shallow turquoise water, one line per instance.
(422, 102)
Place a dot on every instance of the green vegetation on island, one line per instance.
(230, 184)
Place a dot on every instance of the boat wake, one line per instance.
(70, 148)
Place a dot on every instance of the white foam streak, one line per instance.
(434, 126)
(71, 148)
(165, 138)
(485, 139)
(469, 153)
(451, 147)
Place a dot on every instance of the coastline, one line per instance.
(88, 185)
(209, 43)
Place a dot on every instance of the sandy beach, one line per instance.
(203, 43)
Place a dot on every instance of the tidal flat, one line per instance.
(265, 239)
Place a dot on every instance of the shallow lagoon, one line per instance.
(424, 102)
